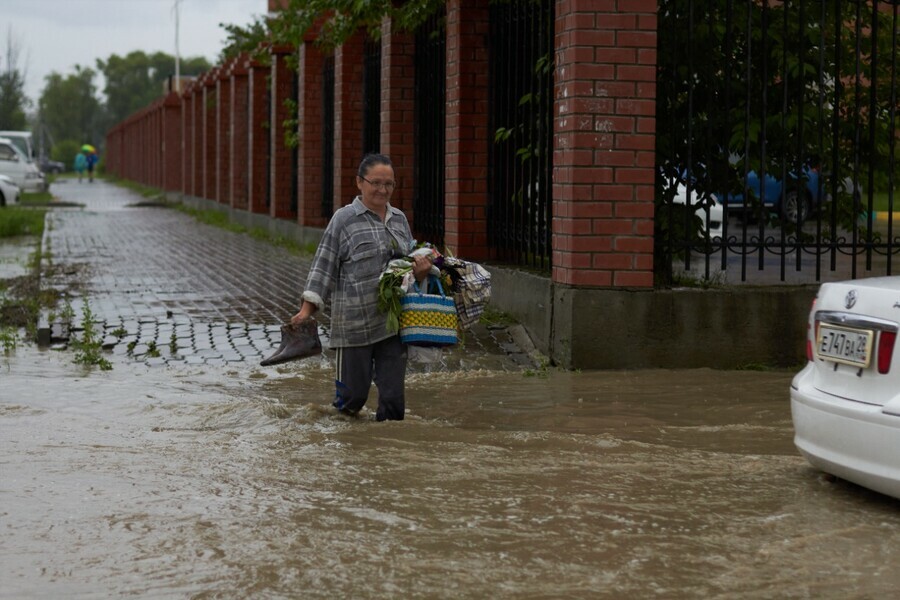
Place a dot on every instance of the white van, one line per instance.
(15, 165)
(22, 140)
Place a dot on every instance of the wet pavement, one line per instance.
(167, 289)
(14, 255)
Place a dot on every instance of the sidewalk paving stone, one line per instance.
(200, 294)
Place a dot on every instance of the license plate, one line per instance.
(845, 345)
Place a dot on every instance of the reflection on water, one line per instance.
(243, 483)
(14, 255)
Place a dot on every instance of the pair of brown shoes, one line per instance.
(298, 340)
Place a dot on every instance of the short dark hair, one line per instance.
(369, 161)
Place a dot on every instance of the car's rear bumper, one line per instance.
(35, 185)
(854, 441)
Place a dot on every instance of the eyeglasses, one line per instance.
(387, 186)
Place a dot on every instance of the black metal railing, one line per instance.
(328, 136)
(777, 128)
(430, 99)
(371, 141)
(521, 123)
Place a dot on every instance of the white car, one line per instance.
(15, 165)
(845, 403)
(9, 191)
(711, 216)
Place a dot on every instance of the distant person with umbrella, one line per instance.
(92, 160)
(80, 164)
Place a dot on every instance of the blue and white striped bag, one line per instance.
(428, 319)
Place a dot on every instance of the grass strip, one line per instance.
(18, 220)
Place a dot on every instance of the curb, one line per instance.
(883, 216)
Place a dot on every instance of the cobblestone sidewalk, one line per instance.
(167, 289)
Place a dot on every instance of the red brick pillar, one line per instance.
(126, 138)
(151, 127)
(239, 135)
(112, 150)
(467, 138)
(152, 150)
(281, 173)
(187, 138)
(171, 143)
(603, 160)
(209, 135)
(258, 137)
(348, 100)
(197, 159)
(309, 155)
(159, 138)
(398, 111)
(155, 129)
(138, 134)
(223, 135)
(142, 166)
(137, 166)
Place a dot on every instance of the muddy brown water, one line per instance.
(243, 483)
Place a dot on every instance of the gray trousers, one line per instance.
(384, 363)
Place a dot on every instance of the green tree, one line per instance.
(331, 22)
(13, 101)
(756, 86)
(137, 79)
(243, 39)
(65, 152)
(69, 108)
(334, 21)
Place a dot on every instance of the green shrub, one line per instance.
(65, 152)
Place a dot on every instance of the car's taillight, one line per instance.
(886, 340)
(811, 335)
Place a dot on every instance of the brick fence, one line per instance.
(221, 139)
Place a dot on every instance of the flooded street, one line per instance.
(199, 482)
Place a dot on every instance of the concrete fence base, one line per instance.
(276, 227)
(725, 328)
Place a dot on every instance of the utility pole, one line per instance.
(177, 52)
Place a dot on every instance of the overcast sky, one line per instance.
(55, 35)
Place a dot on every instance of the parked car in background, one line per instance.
(709, 210)
(52, 167)
(710, 215)
(793, 202)
(845, 403)
(17, 167)
(22, 141)
(9, 191)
